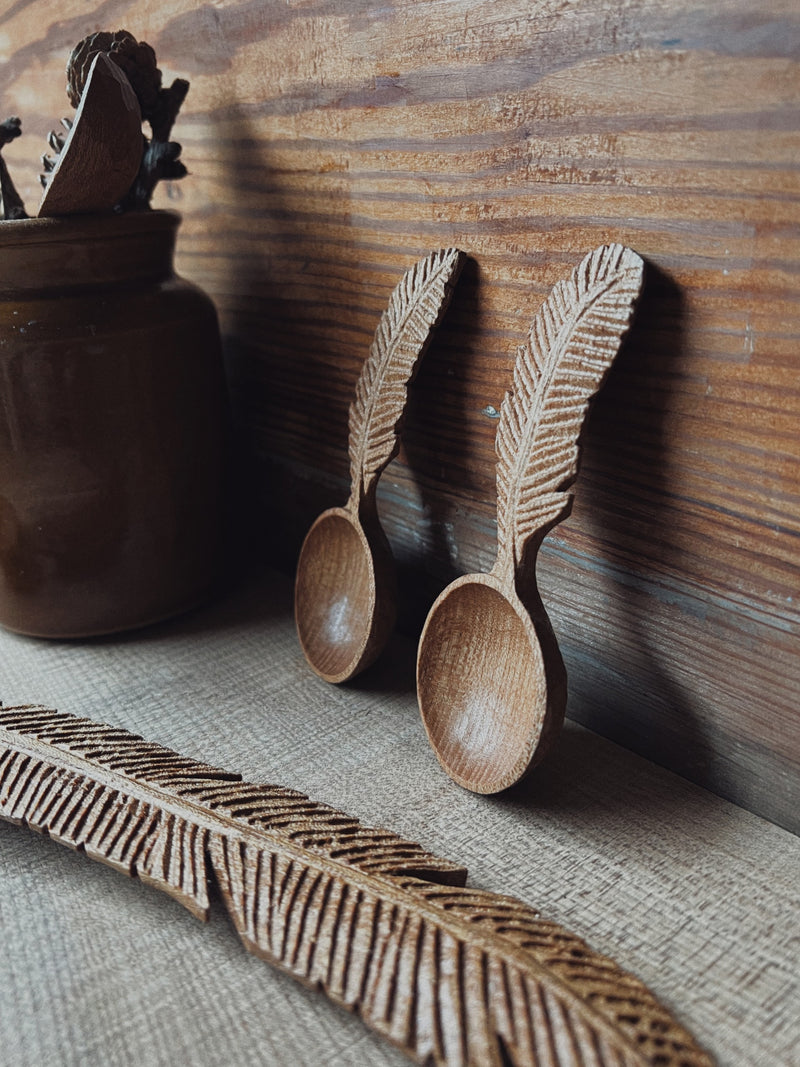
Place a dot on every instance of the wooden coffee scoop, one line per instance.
(345, 599)
(491, 683)
(103, 149)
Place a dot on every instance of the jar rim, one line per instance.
(38, 255)
(86, 227)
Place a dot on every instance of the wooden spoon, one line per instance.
(103, 149)
(491, 683)
(345, 597)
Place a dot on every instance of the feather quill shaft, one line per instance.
(572, 343)
(415, 307)
(451, 975)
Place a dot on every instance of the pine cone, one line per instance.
(136, 60)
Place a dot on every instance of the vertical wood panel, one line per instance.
(332, 143)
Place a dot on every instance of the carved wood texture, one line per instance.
(416, 305)
(101, 155)
(573, 341)
(450, 975)
(332, 144)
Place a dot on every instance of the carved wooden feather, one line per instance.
(415, 308)
(573, 341)
(451, 975)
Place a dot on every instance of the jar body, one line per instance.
(112, 428)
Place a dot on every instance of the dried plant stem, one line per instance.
(11, 206)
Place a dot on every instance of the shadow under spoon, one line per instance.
(345, 589)
(491, 683)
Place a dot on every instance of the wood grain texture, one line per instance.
(454, 977)
(100, 157)
(491, 683)
(330, 144)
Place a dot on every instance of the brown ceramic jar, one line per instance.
(112, 426)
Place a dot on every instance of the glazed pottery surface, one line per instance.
(112, 426)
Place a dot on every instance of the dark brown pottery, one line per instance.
(112, 426)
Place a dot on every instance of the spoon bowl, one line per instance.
(344, 602)
(486, 693)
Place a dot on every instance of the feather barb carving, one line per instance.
(451, 975)
(572, 343)
(416, 306)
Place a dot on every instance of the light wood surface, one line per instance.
(695, 897)
(491, 683)
(331, 145)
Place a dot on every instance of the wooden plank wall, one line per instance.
(333, 142)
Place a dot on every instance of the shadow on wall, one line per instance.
(437, 448)
(295, 340)
(625, 692)
(273, 346)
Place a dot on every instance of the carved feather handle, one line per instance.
(416, 306)
(452, 976)
(573, 341)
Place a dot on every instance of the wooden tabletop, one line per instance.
(695, 896)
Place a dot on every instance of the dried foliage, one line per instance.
(159, 105)
(11, 206)
(136, 60)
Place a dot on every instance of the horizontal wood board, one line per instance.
(696, 897)
(331, 144)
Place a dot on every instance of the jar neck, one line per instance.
(86, 250)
